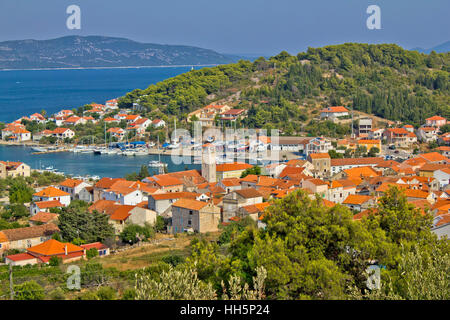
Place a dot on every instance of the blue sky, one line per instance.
(234, 26)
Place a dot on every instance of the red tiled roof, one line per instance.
(232, 166)
(106, 183)
(356, 199)
(53, 247)
(335, 109)
(71, 183)
(248, 193)
(121, 212)
(433, 157)
(174, 195)
(435, 118)
(50, 192)
(96, 245)
(231, 182)
(20, 257)
(319, 156)
(44, 217)
(411, 193)
(30, 232)
(365, 213)
(291, 170)
(355, 161)
(48, 204)
(190, 204)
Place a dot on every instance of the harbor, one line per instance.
(89, 163)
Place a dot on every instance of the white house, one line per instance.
(73, 187)
(38, 118)
(427, 134)
(158, 123)
(333, 113)
(63, 133)
(126, 196)
(443, 176)
(318, 145)
(52, 193)
(436, 121)
(111, 104)
(117, 132)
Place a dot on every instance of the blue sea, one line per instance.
(24, 92)
(114, 166)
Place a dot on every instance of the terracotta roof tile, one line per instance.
(433, 157)
(232, 166)
(51, 192)
(20, 257)
(357, 199)
(53, 247)
(190, 204)
(48, 204)
(174, 195)
(248, 193)
(319, 156)
(30, 232)
(71, 183)
(44, 217)
(356, 161)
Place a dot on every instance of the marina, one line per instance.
(86, 163)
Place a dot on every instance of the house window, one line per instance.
(189, 222)
(28, 243)
(190, 212)
(0, 245)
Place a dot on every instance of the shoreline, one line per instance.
(153, 151)
(121, 67)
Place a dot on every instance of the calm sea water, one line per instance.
(115, 166)
(23, 93)
(26, 92)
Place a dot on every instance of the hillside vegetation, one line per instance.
(286, 91)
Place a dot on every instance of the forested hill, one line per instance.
(96, 51)
(287, 91)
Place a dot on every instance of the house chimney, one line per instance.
(65, 249)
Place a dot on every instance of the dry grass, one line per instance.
(150, 254)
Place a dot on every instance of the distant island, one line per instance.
(442, 48)
(99, 51)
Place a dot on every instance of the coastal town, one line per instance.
(322, 175)
(354, 171)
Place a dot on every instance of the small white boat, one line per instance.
(140, 152)
(129, 153)
(156, 164)
(86, 150)
(39, 149)
(111, 151)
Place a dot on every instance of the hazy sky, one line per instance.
(234, 26)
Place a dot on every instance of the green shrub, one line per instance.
(173, 260)
(29, 290)
(92, 253)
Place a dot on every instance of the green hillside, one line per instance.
(287, 91)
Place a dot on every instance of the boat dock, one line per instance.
(51, 151)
